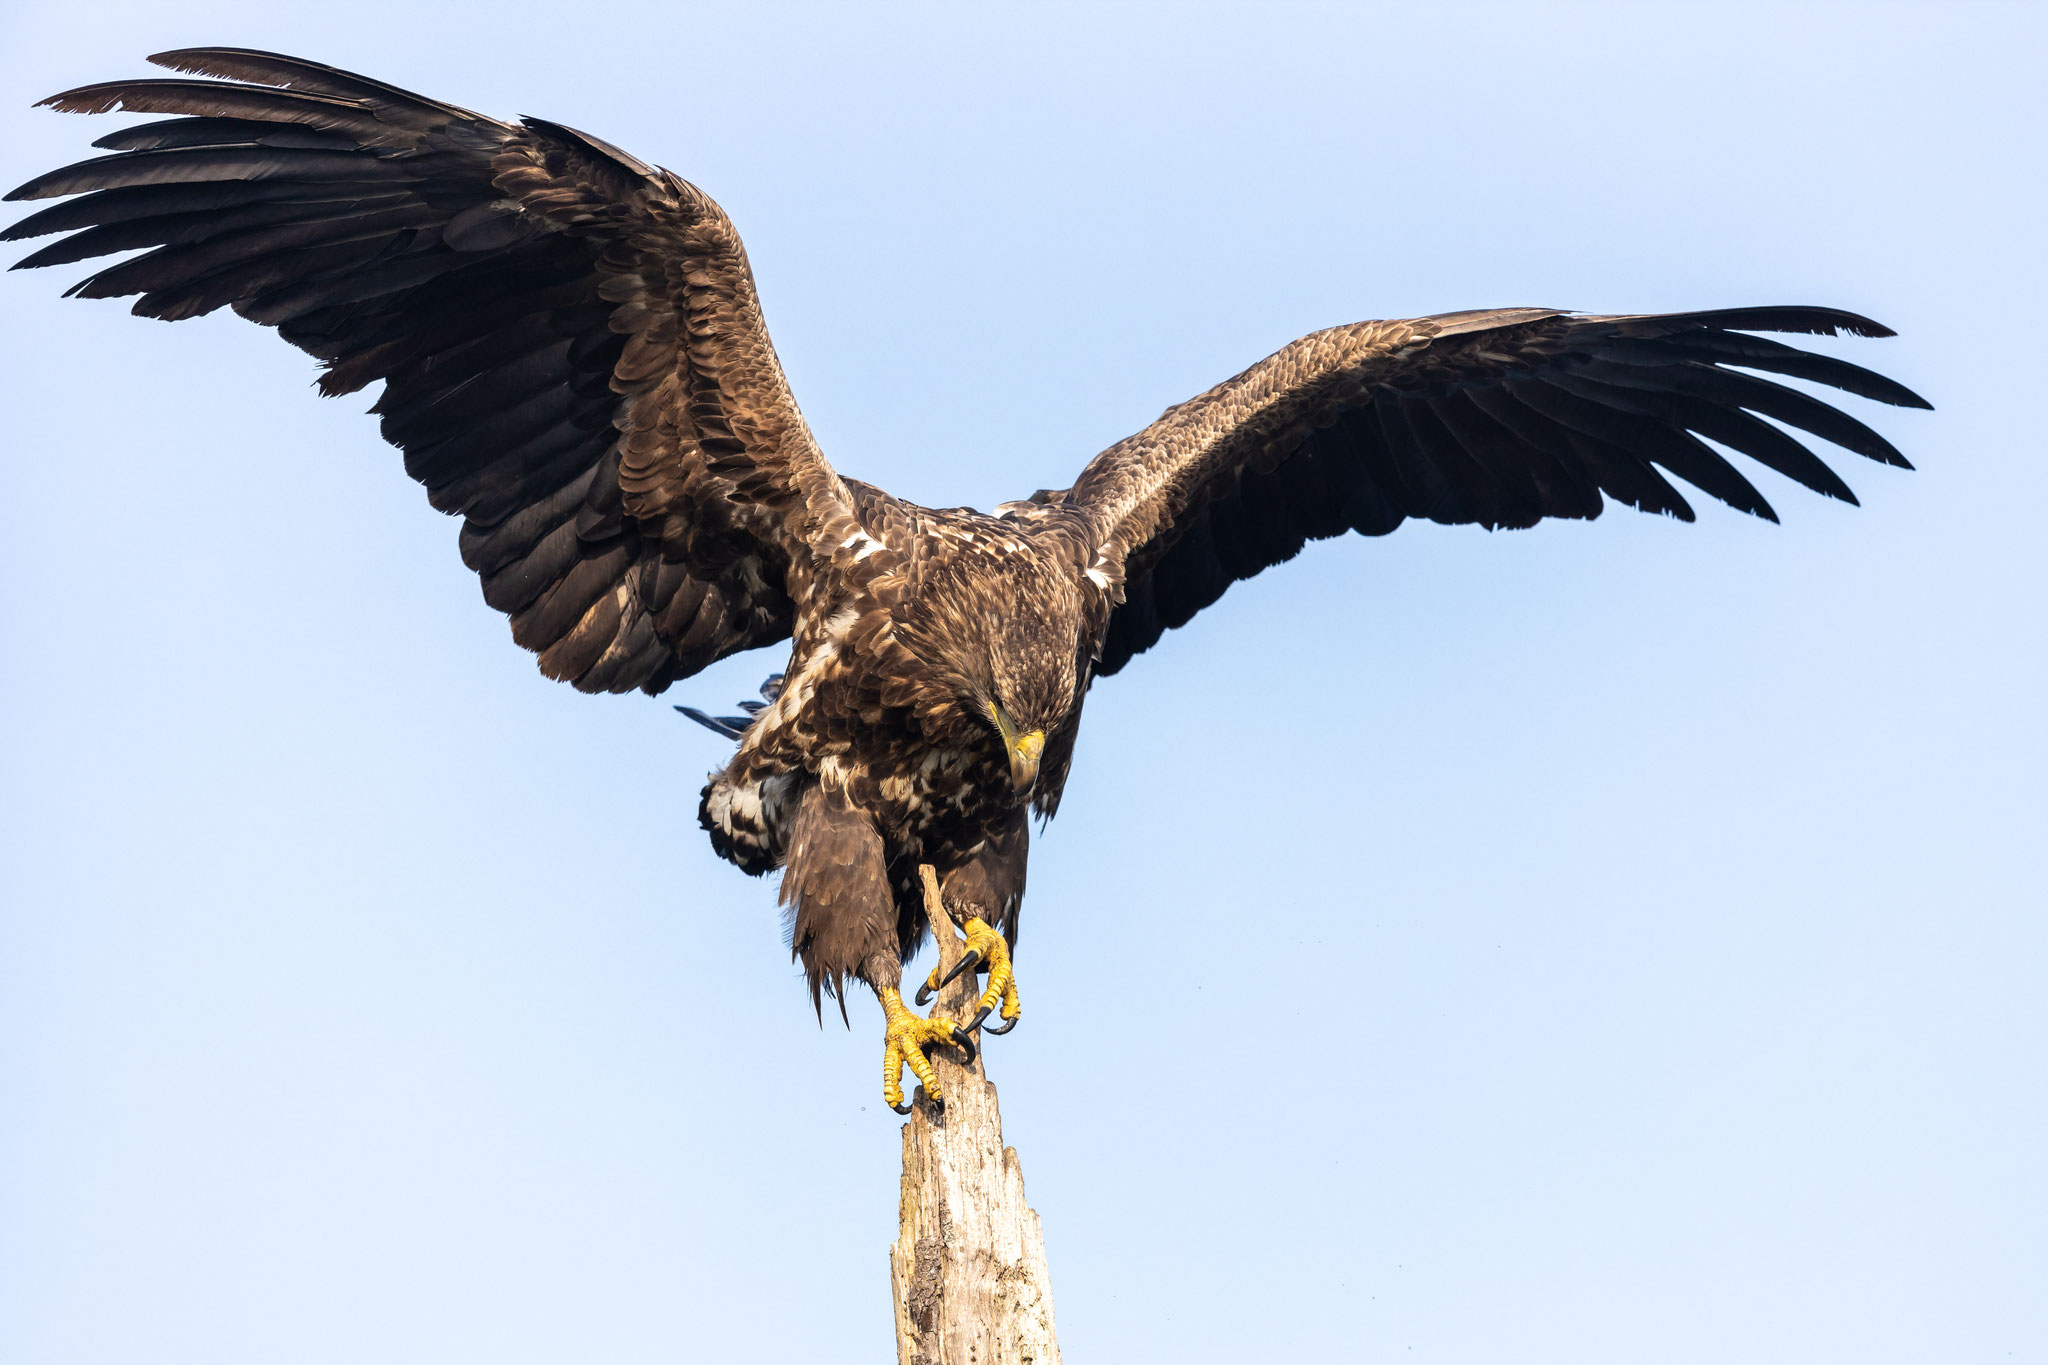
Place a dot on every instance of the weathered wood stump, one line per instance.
(968, 1266)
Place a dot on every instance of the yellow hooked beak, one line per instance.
(1025, 750)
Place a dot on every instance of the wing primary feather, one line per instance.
(1732, 427)
(192, 229)
(222, 132)
(191, 165)
(218, 288)
(175, 266)
(1761, 353)
(221, 99)
(296, 73)
(1628, 427)
(1811, 320)
(155, 201)
(1731, 390)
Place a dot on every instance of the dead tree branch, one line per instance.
(968, 1266)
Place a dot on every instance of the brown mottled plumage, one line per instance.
(574, 360)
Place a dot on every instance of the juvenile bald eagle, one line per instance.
(574, 361)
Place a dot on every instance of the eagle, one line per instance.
(574, 361)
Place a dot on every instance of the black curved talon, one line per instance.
(1008, 1024)
(901, 1108)
(965, 1038)
(969, 961)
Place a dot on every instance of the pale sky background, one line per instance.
(1605, 943)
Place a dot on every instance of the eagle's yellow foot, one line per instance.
(986, 952)
(907, 1037)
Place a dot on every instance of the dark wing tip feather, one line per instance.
(1810, 320)
(21, 232)
(1748, 351)
(33, 189)
(231, 63)
(1807, 319)
(296, 73)
(51, 184)
(103, 97)
(159, 95)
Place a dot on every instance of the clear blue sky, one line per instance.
(1606, 943)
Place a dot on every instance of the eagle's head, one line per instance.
(1001, 636)
(1031, 686)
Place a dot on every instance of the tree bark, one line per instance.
(968, 1266)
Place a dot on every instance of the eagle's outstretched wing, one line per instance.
(1500, 418)
(572, 351)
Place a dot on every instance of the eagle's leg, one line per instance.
(986, 952)
(984, 895)
(847, 924)
(906, 1037)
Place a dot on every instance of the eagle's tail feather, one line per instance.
(732, 727)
